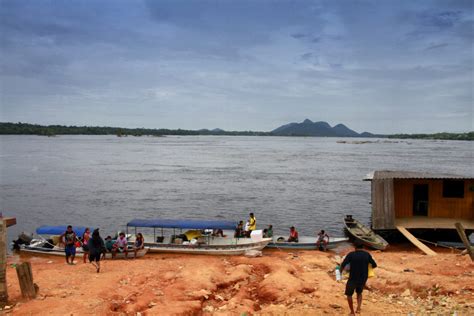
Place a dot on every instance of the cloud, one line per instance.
(248, 64)
(298, 35)
(437, 46)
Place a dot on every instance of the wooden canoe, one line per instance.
(360, 233)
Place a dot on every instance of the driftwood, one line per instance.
(25, 277)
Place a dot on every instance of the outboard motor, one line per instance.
(23, 239)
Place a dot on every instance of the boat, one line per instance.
(198, 237)
(304, 243)
(50, 246)
(360, 233)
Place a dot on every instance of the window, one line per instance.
(453, 188)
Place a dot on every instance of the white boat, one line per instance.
(44, 246)
(304, 242)
(205, 243)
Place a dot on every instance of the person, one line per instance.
(96, 246)
(322, 241)
(218, 233)
(108, 246)
(120, 245)
(359, 262)
(139, 244)
(252, 222)
(246, 229)
(239, 230)
(270, 231)
(69, 239)
(85, 243)
(109, 243)
(293, 235)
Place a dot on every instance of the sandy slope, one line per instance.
(280, 282)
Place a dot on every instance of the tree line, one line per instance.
(51, 130)
(440, 136)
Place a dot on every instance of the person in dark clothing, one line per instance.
(239, 230)
(96, 247)
(359, 262)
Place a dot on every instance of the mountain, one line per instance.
(309, 128)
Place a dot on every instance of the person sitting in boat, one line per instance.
(218, 233)
(139, 244)
(120, 245)
(239, 230)
(322, 241)
(293, 235)
(109, 244)
(192, 234)
(269, 231)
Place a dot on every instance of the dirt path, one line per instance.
(279, 283)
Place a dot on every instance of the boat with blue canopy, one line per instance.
(48, 242)
(58, 230)
(211, 237)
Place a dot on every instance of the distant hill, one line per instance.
(310, 128)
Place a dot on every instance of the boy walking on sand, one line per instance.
(69, 238)
(359, 262)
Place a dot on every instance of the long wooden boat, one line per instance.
(205, 243)
(44, 246)
(304, 243)
(360, 233)
(38, 248)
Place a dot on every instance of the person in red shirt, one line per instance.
(293, 235)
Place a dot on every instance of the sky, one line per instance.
(377, 66)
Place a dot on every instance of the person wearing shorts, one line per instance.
(359, 261)
(69, 239)
(85, 243)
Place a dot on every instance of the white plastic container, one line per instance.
(256, 235)
(338, 275)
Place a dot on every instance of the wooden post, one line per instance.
(3, 263)
(464, 239)
(25, 276)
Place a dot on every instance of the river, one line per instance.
(105, 181)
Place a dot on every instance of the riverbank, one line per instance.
(280, 282)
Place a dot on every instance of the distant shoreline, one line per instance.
(7, 128)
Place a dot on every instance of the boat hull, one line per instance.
(305, 243)
(205, 249)
(79, 253)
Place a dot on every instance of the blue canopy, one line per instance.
(181, 223)
(58, 230)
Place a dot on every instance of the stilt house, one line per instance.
(421, 200)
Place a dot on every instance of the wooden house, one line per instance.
(416, 200)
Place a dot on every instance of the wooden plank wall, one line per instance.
(383, 210)
(438, 206)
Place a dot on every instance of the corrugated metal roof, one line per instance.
(393, 174)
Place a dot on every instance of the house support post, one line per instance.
(465, 240)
